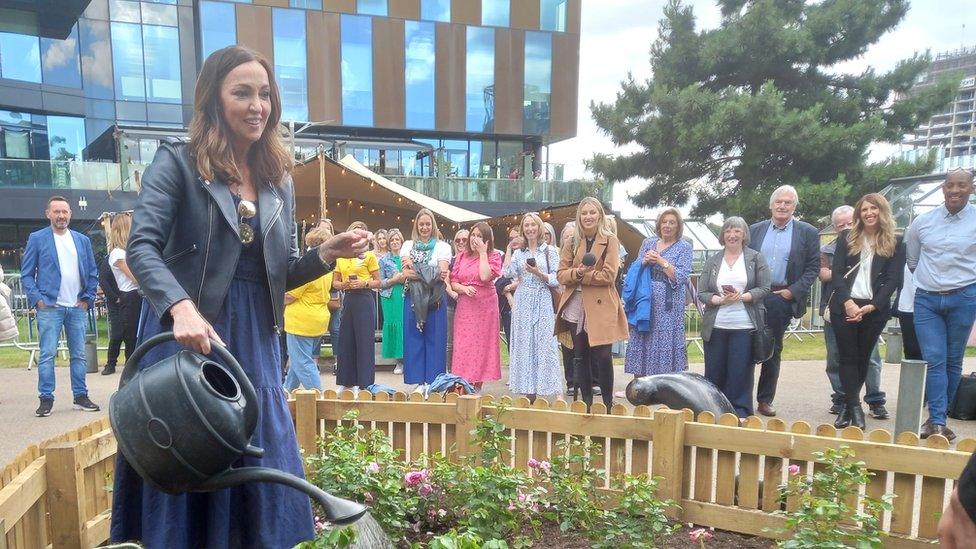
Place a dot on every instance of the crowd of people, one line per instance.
(213, 259)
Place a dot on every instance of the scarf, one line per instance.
(421, 251)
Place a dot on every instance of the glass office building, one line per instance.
(485, 83)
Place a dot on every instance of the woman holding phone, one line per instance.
(357, 278)
(591, 316)
(732, 286)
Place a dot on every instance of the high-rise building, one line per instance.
(951, 134)
(471, 90)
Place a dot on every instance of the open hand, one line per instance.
(469, 291)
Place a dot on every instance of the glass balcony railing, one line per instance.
(469, 189)
(57, 174)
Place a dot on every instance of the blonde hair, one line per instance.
(210, 143)
(540, 238)
(118, 232)
(885, 240)
(601, 223)
(357, 225)
(317, 236)
(414, 234)
(389, 236)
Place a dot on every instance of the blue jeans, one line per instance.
(872, 384)
(302, 368)
(942, 325)
(728, 364)
(50, 321)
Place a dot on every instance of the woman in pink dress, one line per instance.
(476, 357)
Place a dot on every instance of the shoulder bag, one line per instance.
(763, 344)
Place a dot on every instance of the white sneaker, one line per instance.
(398, 369)
(419, 388)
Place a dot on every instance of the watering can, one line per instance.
(182, 422)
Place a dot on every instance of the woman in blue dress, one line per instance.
(662, 349)
(214, 247)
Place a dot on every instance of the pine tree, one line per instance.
(730, 114)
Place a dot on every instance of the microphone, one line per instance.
(589, 259)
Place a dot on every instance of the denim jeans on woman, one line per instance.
(942, 325)
(302, 368)
(50, 321)
(728, 364)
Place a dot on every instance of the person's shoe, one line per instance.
(108, 370)
(597, 391)
(843, 418)
(931, 429)
(398, 369)
(878, 411)
(569, 389)
(857, 417)
(44, 409)
(766, 409)
(835, 409)
(85, 404)
(620, 394)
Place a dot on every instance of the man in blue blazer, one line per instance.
(60, 277)
(792, 250)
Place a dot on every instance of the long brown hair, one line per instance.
(210, 143)
(885, 240)
(118, 232)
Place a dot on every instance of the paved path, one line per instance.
(803, 395)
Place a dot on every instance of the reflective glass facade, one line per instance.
(20, 57)
(357, 70)
(162, 60)
(290, 63)
(552, 16)
(435, 10)
(60, 65)
(66, 137)
(215, 32)
(371, 7)
(479, 110)
(127, 59)
(538, 83)
(495, 13)
(419, 43)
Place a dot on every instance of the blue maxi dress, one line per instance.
(253, 515)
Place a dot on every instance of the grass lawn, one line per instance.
(810, 348)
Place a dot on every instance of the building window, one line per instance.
(480, 80)
(357, 70)
(159, 14)
(552, 15)
(495, 13)
(162, 62)
(96, 59)
(124, 11)
(66, 137)
(59, 61)
(20, 57)
(538, 82)
(290, 57)
(371, 7)
(130, 80)
(435, 10)
(218, 27)
(419, 72)
(306, 4)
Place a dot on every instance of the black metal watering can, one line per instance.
(182, 422)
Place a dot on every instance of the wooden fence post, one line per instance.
(3, 535)
(306, 420)
(466, 418)
(66, 495)
(667, 451)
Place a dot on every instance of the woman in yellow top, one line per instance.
(306, 319)
(357, 277)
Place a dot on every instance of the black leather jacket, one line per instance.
(184, 241)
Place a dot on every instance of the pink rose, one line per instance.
(794, 470)
(426, 489)
(373, 467)
(700, 535)
(414, 478)
(545, 466)
(441, 513)
(534, 463)
(369, 497)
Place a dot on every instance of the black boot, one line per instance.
(108, 370)
(580, 384)
(857, 416)
(843, 418)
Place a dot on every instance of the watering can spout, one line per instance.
(337, 510)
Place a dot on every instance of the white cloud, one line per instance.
(98, 66)
(616, 37)
(60, 53)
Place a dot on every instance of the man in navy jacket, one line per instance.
(792, 250)
(60, 278)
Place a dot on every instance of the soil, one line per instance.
(550, 537)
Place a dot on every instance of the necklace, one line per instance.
(734, 259)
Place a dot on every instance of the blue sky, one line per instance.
(617, 34)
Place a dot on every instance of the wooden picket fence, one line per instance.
(725, 476)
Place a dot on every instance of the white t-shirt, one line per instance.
(123, 281)
(733, 316)
(906, 298)
(861, 289)
(70, 273)
(441, 252)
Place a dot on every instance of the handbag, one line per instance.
(763, 344)
(553, 292)
(964, 405)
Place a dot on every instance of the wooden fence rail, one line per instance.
(722, 475)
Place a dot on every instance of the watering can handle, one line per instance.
(132, 365)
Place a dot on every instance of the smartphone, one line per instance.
(728, 289)
(356, 277)
(530, 262)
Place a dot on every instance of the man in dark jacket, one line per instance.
(792, 250)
